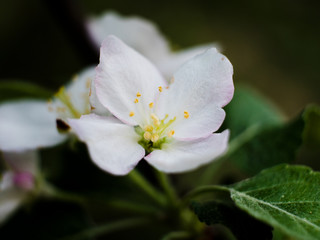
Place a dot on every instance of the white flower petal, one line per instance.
(113, 146)
(182, 156)
(27, 125)
(173, 61)
(96, 106)
(138, 33)
(10, 200)
(22, 161)
(200, 87)
(121, 74)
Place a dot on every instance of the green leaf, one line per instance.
(243, 226)
(259, 149)
(17, 89)
(249, 108)
(286, 197)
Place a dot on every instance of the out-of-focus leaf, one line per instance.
(285, 197)
(311, 134)
(269, 147)
(249, 108)
(15, 89)
(45, 219)
(243, 226)
(277, 144)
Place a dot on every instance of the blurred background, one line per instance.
(273, 45)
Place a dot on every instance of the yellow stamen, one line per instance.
(136, 100)
(92, 108)
(138, 94)
(172, 80)
(154, 117)
(186, 114)
(148, 128)
(147, 136)
(154, 137)
(151, 105)
(160, 89)
(170, 134)
(131, 114)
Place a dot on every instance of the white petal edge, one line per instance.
(113, 146)
(27, 125)
(10, 200)
(138, 33)
(22, 161)
(120, 75)
(173, 61)
(182, 156)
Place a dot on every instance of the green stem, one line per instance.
(167, 187)
(200, 190)
(108, 228)
(147, 188)
(176, 235)
(47, 190)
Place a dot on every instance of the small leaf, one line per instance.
(15, 89)
(286, 197)
(243, 226)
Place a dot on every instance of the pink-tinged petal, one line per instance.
(180, 156)
(22, 161)
(27, 125)
(136, 32)
(113, 146)
(173, 61)
(121, 74)
(10, 200)
(201, 87)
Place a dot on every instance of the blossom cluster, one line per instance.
(142, 101)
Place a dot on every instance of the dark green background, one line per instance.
(274, 45)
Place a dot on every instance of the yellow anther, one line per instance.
(170, 133)
(131, 114)
(138, 94)
(154, 137)
(186, 114)
(148, 128)
(92, 108)
(136, 100)
(147, 136)
(154, 117)
(160, 89)
(156, 123)
(151, 105)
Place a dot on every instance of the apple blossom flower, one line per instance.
(145, 37)
(17, 182)
(170, 126)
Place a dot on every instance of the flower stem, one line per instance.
(108, 228)
(146, 187)
(203, 189)
(167, 187)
